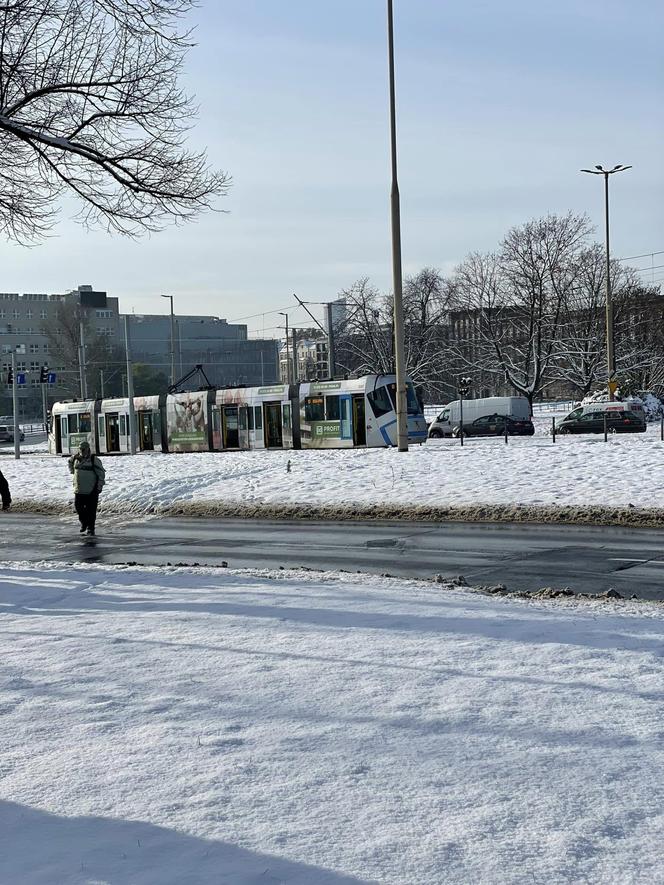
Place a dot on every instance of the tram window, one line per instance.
(123, 425)
(413, 403)
(79, 423)
(380, 401)
(314, 408)
(258, 411)
(250, 418)
(285, 416)
(242, 414)
(331, 408)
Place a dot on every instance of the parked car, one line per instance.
(7, 433)
(448, 421)
(620, 418)
(494, 425)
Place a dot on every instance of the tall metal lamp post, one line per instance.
(172, 339)
(399, 348)
(610, 356)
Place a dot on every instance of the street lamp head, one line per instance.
(592, 171)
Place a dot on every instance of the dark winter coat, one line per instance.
(4, 492)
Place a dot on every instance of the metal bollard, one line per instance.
(553, 429)
(506, 440)
(606, 433)
(661, 428)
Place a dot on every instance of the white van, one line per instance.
(448, 423)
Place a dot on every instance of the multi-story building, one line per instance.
(311, 360)
(25, 323)
(225, 352)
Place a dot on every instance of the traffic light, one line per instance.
(43, 375)
(463, 385)
(10, 376)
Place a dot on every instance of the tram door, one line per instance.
(64, 433)
(231, 428)
(273, 431)
(345, 411)
(243, 431)
(359, 421)
(145, 431)
(112, 432)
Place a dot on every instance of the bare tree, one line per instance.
(64, 353)
(365, 340)
(90, 105)
(509, 305)
(581, 358)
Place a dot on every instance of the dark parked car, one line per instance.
(620, 418)
(494, 425)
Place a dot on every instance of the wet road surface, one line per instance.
(524, 557)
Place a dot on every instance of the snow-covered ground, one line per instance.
(189, 728)
(626, 471)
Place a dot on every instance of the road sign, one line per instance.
(51, 377)
(20, 377)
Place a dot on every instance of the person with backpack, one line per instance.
(89, 477)
(4, 492)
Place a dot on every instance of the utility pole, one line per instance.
(130, 389)
(81, 360)
(288, 366)
(17, 430)
(101, 382)
(610, 355)
(399, 348)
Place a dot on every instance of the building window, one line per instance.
(2, 314)
(43, 314)
(34, 367)
(20, 367)
(15, 314)
(34, 348)
(45, 348)
(28, 314)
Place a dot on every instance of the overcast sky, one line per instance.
(499, 106)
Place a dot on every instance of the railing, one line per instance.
(565, 406)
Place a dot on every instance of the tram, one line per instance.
(345, 414)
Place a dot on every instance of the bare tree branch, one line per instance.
(90, 104)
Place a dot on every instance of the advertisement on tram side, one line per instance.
(186, 417)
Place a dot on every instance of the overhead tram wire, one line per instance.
(645, 255)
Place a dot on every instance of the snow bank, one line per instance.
(577, 479)
(172, 727)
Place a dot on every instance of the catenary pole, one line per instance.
(331, 354)
(17, 431)
(81, 360)
(399, 348)
(172, 339)
(130, 388)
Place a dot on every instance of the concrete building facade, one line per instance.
(224, 350)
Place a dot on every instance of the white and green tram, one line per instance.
(334, 414)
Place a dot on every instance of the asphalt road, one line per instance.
(524, 557)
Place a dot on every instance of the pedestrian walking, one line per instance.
(4, 492)
(89, 477)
